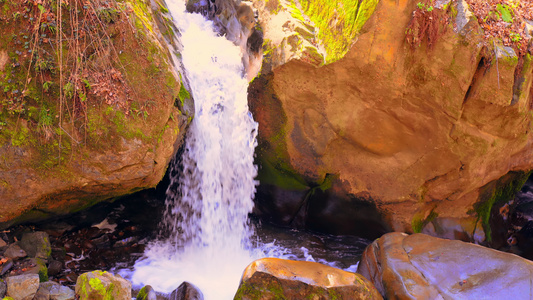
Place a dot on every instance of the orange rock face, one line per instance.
(410, 130)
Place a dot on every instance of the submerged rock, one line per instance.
(424, 267)
(100, 285)
(273, 278)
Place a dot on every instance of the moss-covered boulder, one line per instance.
(100, 285)
(273, 278)
(90, 104)
(411, 125)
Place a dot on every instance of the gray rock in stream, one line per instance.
(186, 291)
(146, 293)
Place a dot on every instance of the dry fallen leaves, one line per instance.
(505, 20)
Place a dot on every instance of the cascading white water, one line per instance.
(208, 214)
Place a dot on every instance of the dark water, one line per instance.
(112, 236)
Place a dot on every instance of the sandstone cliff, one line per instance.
(398, 134)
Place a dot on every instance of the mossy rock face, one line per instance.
(314, 31)
(82, 123)
(414, 131)
(102, 285)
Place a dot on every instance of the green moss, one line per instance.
(247, 290)
(20, 137)
(97, 285)
(142, 294)
(281, 177)
(502, 192)
(46, 247)
(43, 272)
(339, 22)
(418, 223)
(183, 94)
(143, 15)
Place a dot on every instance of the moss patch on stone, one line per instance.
(419, 222)
(339, 22)
(498, 192)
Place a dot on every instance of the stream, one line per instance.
(206, 237)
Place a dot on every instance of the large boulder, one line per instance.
(419, 266)
(274, 278)
(102, 122)
(395, 135)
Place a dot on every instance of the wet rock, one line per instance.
(146, 293)
(54, 291)
(273, 278)
(22, 287)
(36, 244)
(424, 267)
(236, 21)
(54, 267)
(14, 251)
(521, 242)
(186, 291)
(99, 285)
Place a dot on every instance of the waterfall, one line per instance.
(209, 200)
